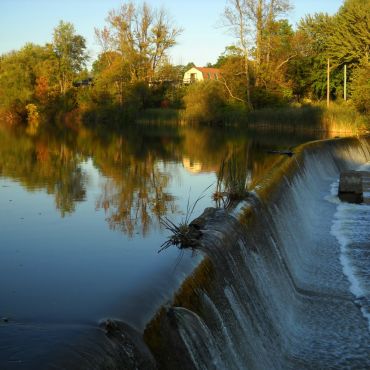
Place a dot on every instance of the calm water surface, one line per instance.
(80, 211)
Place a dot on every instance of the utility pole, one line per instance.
(328, 84)
(345, 82)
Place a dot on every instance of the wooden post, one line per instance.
(328, 84)
(345, 82)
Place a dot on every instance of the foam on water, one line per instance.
(351, 227)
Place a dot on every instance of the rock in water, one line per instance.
(350, 187)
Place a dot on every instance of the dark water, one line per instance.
(79, 216)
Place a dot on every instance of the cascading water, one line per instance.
(351, 227)
(291, 282)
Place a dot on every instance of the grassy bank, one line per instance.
(159, 115)
(338, 118)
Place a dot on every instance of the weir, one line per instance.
(282, 283)
(285, 279)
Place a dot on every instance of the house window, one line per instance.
(193, 77)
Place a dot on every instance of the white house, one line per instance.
(201, 74)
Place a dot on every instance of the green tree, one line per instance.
(308, 70)
(236, 19)
(26, 75)
(360, 87)
(285, 44)
(142, 37)
(343, 38)
(233, 75)
(204, 102)
(349, 40)
(134, 47)
(70, 54)
(254, 23)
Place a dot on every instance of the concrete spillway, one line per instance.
(287, 286)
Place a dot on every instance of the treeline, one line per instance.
(270, 65)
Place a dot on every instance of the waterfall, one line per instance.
(290, 284)
(351, 227)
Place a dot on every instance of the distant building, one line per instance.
(196, 74)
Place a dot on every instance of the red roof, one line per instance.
(209, 73)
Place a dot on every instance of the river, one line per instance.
(81, 231)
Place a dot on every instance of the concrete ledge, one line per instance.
(354, 187)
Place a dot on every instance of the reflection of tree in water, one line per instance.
(70, 189)
(245, 162)
(137, 198)
(43, 163)
(133, 162)
(233, 175)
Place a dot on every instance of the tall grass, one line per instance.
(343, 118)
(338, 119)
(182, 234)
(287, 117)
(160, 115)
(231, 180)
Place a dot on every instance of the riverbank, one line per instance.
(338, 118)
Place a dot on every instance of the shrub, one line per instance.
(204, 102)
(33, 118)
(262, 97)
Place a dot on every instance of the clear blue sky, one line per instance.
(202, 41)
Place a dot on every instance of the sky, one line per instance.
(202, 40)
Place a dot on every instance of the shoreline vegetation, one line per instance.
(337, 119)
(275, 77)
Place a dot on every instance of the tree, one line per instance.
(286, 46)
(343, 38)
(310, 68)
(276, 8)
(70, 53)
(264, 15)
(360, 87)
(26, 75)
(233, 76)
(204, 102)
(236, 19)
(141, 36)
(253, 23)
(349, 40)
(111, 74)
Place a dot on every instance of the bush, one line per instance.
(138, 96)
(262, 98)
(205, 102)
(33, 118)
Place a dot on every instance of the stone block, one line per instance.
(350, 187)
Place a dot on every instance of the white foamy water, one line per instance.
(351, 227)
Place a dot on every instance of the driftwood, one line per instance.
(282, 152)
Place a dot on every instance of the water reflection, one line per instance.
(138, 167)
(137, 197)
(46, 163)
(234, 176)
